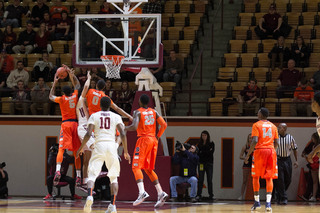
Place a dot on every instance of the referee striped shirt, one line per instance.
(286, 144)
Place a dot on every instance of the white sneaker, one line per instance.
(161, 199)
(140, 198)
(87, 206)
(312, 199)
(111, 209)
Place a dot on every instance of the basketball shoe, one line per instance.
(140, 198)
(111, 209)
(78, 181)
(256, 206)
(87, 206)
(49, 196)
(76, 197)
(56, 178)
(268, 207)
(161, 199)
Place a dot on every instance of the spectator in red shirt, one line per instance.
(9, 40)
(106, 8)
(6, 63)
(272, 24)
(63, 27)
(42, 43)
(56, 10)
(50, 24)
(249, 98)
(303, 96)
(288, 79)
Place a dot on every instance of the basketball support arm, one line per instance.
(100, 34)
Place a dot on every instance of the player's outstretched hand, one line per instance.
(79, 152)
(88, 75)
(127, 157)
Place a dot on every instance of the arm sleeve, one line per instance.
(163, 127)
(293, 144)
(57, 99)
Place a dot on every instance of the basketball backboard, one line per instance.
(135, 36)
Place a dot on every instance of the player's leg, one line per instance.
(270, 173)
(162, 196)
(49, 187)
(138, 161)
(59, 160)
(256, 188)
(269, 184)
(77, 163)
(94, 168)
(257, 166)
(76, 143)
(86, 158)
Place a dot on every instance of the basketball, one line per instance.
(62, 73)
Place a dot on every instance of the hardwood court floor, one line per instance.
(67, 206)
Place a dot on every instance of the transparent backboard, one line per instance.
(135, 36)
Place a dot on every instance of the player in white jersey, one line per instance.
(83, 116)
(316, 108)
(104, 124)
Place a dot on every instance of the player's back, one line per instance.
(267, 132)
(68, 106)
(93, 99)
(82, 112)
(147, 123)
(105, 125)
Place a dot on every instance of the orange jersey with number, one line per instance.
(68, 105)
(266, 133)
(147, 124)
(93, 99)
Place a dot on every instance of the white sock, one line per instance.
(269, 198)
(85, 180)
(140, 187)
(158, 188)
(78, 173)
(257, 198)
(58, 167)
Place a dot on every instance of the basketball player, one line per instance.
(104, 124)
(83, 116)
(145, 122)
(316, 108)
(68, 134)
(93, 99)
(264, 164)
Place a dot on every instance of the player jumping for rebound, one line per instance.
(264, 162)
(83, 116)
(68, 134)
(145, 122)
(104, 124)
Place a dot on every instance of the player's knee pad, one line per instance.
(113, 179)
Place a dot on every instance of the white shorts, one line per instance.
(104, 152)
(81, 134)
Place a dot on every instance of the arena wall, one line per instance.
(23, 148)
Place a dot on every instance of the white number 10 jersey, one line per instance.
(105, 125)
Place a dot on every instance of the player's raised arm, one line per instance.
(123, 137)
(74, 80)
(86, 85)
(252, 146)
(85, 139)
(121, 111)
(163, 125)
(135, 121)
(53, 88)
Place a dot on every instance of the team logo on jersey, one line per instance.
(137, 149)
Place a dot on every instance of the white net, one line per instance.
(113, 65)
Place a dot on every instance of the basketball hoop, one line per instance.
(112, 64)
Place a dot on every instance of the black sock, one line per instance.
(89, 191)
(113, 199)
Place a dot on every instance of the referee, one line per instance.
(286, 144)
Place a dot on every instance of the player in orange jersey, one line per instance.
(94, 96)
(145, 122)
(68, 134)
(264, 162)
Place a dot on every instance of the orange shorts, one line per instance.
(145, 153)
(264, 164)
(69, 138)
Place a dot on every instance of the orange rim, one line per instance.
(116, 59)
